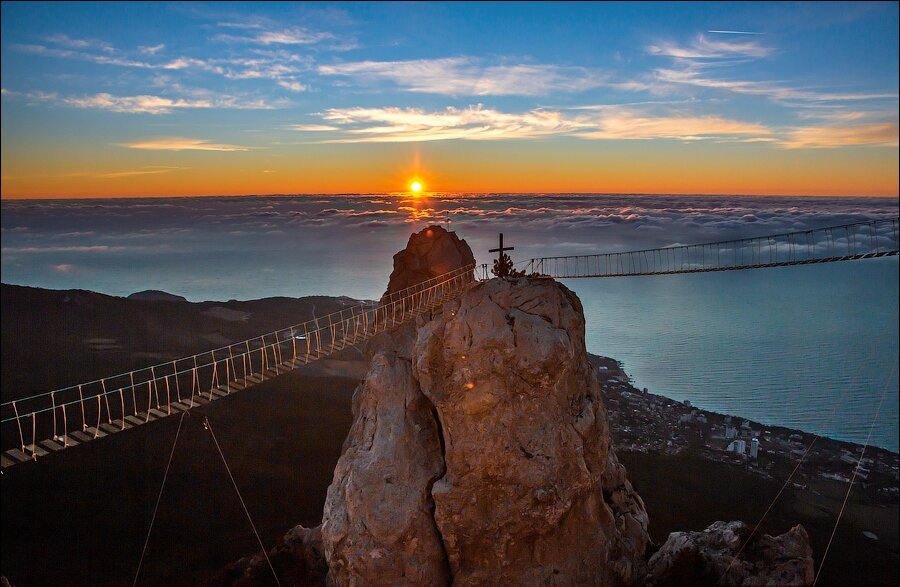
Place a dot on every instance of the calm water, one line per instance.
(806, 347)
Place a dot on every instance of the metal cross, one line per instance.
(501, 249)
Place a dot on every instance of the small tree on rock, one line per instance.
(503, 267)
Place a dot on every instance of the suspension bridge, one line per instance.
(39, 425)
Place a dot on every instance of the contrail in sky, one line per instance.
(736, 32)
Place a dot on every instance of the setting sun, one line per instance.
(415, 186)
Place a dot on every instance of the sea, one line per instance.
(808, 347)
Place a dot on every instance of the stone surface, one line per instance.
(719, 556)
(297, 558)
(377, 526)
(526, 443)
(430, 252)
(479, 454)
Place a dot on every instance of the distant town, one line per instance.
(641, 421)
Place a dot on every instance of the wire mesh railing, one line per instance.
(46, 422)
(862, 240)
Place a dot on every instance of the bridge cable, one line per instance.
(208, 426)
(855, 473)
(158, 499)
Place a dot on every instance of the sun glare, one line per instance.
(415, 186)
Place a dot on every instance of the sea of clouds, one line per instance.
(234, 247)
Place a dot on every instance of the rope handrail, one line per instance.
(240, 367)
(861, 240)
(369, 305)
(881, 221)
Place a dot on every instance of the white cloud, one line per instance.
(480, 123)
(693, 77)
(181, 144)
(284, 36)
(152, 50)
(882, 134)
(465, 76)
(704, 48)
(473, 122)
(135, 104)
(292, 85)
(150, 104)
(66, 41)
(620, 123)
(312, 127)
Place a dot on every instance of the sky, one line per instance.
(182, 99)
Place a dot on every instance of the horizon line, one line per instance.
(445, 193)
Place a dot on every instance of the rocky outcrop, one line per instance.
(297, 559)
(721, 555)
(378, 527)
(430, 252)
(480, 454)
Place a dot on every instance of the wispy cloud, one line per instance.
(292, 85)
(149, 104)
(149, 170)
(726, 32)
(705, 48)
(67, 41)
(473, 123)
(283, 36)
(152, 49)
(480, 123)
(135, 104)
(275, 63)
(466, 76)
(695, 77)
(620, 123)
(883, 134)
(181, 144)
(312, 127)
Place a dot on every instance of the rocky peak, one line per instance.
(480, 455)
(430, 252)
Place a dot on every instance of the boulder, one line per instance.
(297, 558)
(430, 252)
(726, 554)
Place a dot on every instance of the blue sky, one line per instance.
(110, 96)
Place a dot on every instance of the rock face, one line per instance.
(480, 454)
(708, 558)
(430, 252)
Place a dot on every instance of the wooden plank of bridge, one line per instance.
(18, 456)
(109, 428)
(119, 424)
(36, 450)
(81, 436)
(51, 445)
(94, 432)
(158, 413)
(134, 420)
(67, 440)
(5, 461)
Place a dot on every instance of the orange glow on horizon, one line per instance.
(564, 167)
